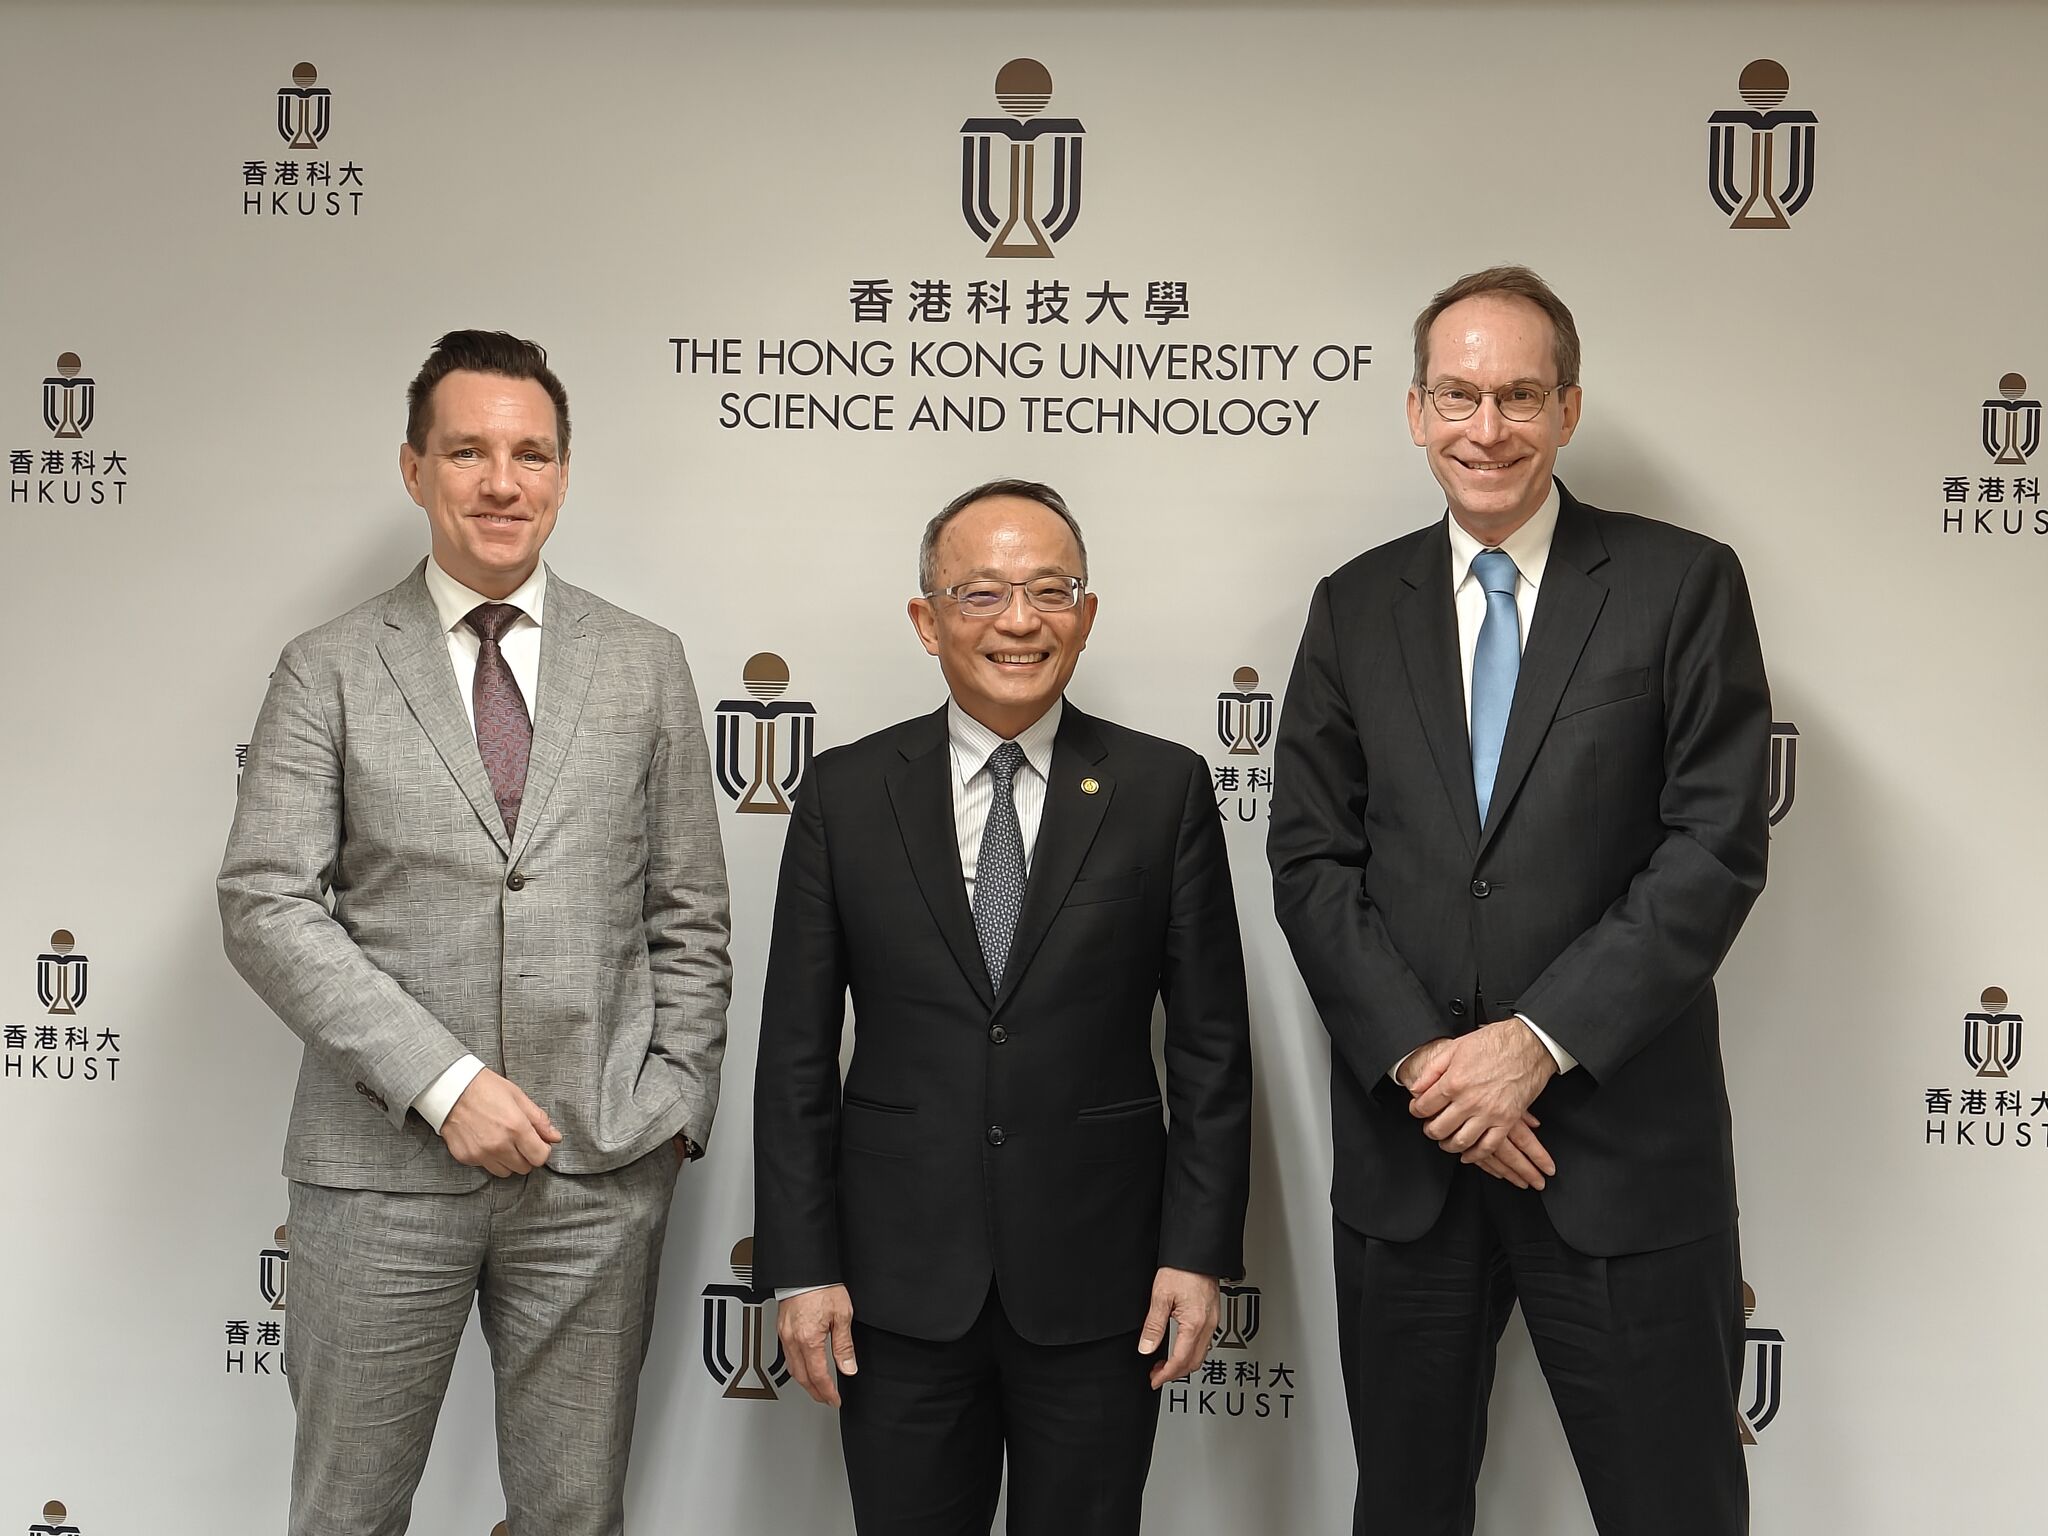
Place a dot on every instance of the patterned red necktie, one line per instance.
(504, 733)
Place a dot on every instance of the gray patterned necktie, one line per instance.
(999, 869)
(504, 732)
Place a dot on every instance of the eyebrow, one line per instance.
(477, 439)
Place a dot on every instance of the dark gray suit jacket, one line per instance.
(372, 899)
(1624, 846)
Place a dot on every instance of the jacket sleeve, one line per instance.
(796, 1077)
(1371, 1002)
(1625, 978)
(686, 911)
(1208, 1051)
(272, 890)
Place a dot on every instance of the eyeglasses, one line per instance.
(1455, 400)
(986, 599)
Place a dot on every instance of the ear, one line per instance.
(410, 466)
(926, 623)
(1087, 621)
(1568, 413)
(1415, 416)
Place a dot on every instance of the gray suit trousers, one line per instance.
(562, 1269)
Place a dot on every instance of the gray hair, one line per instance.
(1029, 490)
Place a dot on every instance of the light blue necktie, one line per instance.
(1495, 663)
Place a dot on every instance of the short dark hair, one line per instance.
(1516, 283)
(498, 352)
(1029, 490)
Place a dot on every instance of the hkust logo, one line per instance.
(1030, 164)
(1752, 194)
(1991, 1107)
(255, 1346)
(1782, 784)
(764, 741)
(68, 398)
(61, 1046)
(1987, 499)
(1991, 1036)
(63, 471)
(2012, 423)
(1232, 1383)
(736, 1335)
(56, 1521)
(1244, 729)
(1764, 1368)
(295, 187)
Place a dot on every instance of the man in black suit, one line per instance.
(1518, 819)
(990, 1228)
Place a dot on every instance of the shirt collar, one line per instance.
(1528, 546)
(453, 602)
(974, 744)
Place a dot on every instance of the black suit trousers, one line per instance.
(925, 1425)
(1642, 1353)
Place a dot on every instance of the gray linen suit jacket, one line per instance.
(371, 897)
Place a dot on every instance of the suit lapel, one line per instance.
(415, 650)
(1426, 619)
(1072, 817)
(921, 792)
(1566, 607)
(568, 660)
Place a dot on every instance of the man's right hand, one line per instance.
(496, 1127)
(1521, 1159)
(811, 1325)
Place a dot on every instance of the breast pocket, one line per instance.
(1123, 887)
(1611, 688)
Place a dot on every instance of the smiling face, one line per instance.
(1005, 671)
(491, 478)
(1495, 472)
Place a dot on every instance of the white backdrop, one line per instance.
(605, 179)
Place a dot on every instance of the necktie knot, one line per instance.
(1496, 571)
(491, 620)
(1003, 763)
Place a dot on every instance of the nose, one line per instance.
(500, 483)
(1486, 425)
(1020, 617)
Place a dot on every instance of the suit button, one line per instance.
(1481, 889)
(995, 1136)
(997, 1034)
(1457, 1007)
(516, 881)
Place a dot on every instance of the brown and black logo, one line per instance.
(1041, 192)
(1758, 199)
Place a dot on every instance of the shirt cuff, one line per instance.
(1394, 1072)
(1565, 1059)
(784, 1292)
(439, 1096)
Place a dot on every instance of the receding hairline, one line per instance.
(552, 437)
(1501, 296)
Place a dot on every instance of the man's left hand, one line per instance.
(1482, 1088)
(1194, 1303)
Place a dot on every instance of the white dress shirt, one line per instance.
(520, 646)
(1529, 547)
(971, 744)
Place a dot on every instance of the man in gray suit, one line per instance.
(501, 933)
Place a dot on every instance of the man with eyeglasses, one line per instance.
(995, 1238)
(1518, 820)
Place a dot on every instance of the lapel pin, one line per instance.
(1089, 786)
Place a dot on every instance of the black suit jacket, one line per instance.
(1017, 1137)
(1624, 846)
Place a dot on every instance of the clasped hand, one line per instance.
(1472, 1095)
